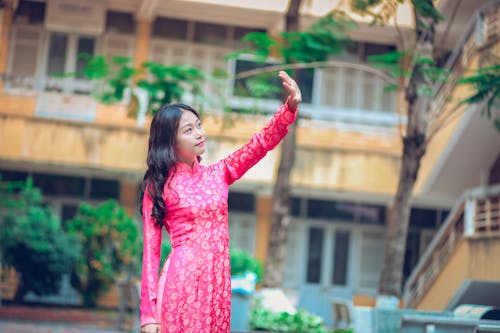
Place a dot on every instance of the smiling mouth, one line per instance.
(200, 144)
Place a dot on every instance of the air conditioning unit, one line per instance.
(83, 17)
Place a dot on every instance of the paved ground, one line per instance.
(26, 327)
(33, 319)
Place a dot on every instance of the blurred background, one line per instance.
(388, 187)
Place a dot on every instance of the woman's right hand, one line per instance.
(150, 328)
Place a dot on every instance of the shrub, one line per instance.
(110, 245)
(33, 242)
(262, 319)
(242, 262)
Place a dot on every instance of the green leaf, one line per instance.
(393, 57)
(390, 88)
(421, 60)
(425, 90)
(426, 9)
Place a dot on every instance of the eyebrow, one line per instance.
(191, 124)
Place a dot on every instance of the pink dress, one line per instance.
(193, 292)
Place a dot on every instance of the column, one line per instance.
(263, 211)
(143, 37)
(6, 23)
(129, 196)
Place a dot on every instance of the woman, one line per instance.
(193, 292)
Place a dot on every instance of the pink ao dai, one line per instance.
(193, 291)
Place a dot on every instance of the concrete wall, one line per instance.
(474, 259)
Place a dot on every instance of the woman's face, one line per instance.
(190, 141)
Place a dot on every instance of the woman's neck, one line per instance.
(188, 162)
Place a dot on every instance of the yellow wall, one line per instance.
(448, 281)
(342, 160)
(482, 250)
(67, 143)
(439, 143)
(470, 261)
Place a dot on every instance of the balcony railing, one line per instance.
(477, 213)
(482, 30)
(349, 93)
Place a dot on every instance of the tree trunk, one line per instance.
(414, 145)
(398, 219)
(280, 219)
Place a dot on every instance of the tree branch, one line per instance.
(314, 64)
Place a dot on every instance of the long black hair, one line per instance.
(162, 158)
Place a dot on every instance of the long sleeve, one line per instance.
(150, 264)
(237, 163)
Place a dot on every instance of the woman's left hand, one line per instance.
(294, 94)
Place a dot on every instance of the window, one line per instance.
(170, 28)
(120, 22)
(340, 257)
(412, 253)
(30, 12)
(68, 212)
(210, 33)
(331, 209)
(305, 79)
(296, 209)
(362, 50)
(18, 177)
(314, 255)
(372, 214)
(423, 218)
(240, 32)
(58, 47)
(241, 202)
(375, 49)
(347, 211)
(85, 46)
(241, 86)
(104, 189)
(10, 175)
(55, 185)
(64, 55)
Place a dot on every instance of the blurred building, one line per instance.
(349, 146)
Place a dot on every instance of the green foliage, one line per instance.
(166, 84)
(110, 242)
(426, 9)
(324, 38)
(394, 62)
(382, 11)
(300, 322)
(166, 248)
(32, 240)
(242, 262)
(486, 83)
(163, 84)
(391, 62)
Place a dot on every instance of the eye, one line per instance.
(188, 130)
(198, 125)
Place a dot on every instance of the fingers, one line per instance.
(291, 87)
(288, 83)
(285, 77)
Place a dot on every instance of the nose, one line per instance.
(200, 132)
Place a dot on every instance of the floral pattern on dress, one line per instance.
(193, 291)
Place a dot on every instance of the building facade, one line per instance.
(348, 138)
